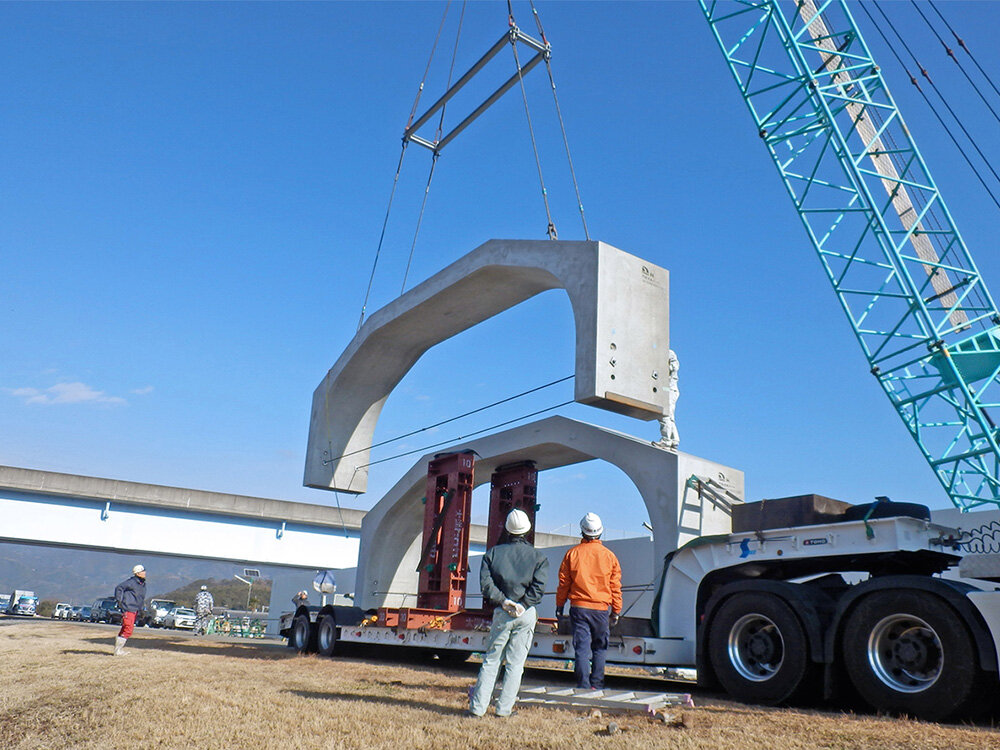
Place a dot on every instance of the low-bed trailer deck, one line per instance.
(766, 615)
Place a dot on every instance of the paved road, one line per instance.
(265, 641)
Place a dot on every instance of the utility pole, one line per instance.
(252, 574)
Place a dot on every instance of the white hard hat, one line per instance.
(138, 569)
(590, 525)
(204, 588)
(517, 522)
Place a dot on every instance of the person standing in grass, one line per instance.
(203, 603)
(590, 578)
(512, 579)
(130, 595)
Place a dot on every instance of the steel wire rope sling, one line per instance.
(434, 158)
(562, 125)
(399, 166)
(811, 85)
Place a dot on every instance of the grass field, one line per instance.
(61, 688)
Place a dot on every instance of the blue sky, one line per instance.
(191, 197)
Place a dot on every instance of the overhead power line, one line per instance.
(460, 416)
(469, 435)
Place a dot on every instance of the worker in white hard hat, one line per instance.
(512, 579)
(203, 603)
(130, 595)
(590, 578)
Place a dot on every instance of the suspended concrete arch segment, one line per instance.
(620, 310)
(391, 531)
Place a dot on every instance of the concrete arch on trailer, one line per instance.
(391, 531)
(618, 363)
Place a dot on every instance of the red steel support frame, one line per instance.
(444, 561)
(512, 486)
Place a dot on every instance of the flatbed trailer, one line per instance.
(830, 610)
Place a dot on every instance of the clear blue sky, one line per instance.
(191, 196)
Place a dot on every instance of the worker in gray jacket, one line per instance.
(512, 579)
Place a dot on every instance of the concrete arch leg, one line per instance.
(390, 532)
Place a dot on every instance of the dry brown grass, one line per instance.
(59, 688)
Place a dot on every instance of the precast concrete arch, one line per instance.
(391, 531)
(620, 310)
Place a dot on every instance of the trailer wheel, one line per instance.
(758, 649)
(908, 652)
(326, 635)
(303, 636)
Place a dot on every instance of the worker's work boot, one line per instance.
(120, 646)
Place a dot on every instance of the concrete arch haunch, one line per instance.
(620, 310)
(391, 531)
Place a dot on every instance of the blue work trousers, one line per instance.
(591, 629)
(509, 640)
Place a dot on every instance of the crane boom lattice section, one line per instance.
(902, 272)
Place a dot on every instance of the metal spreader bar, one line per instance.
(512, 36)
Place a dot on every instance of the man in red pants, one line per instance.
(130, 595)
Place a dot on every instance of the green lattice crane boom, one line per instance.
(898, 265)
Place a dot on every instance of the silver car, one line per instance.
(179, 617)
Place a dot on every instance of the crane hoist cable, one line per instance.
(961, 43)
(514, 36)
(930, 105)
(948, 50)
(399, 166)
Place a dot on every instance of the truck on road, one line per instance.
(23, 603)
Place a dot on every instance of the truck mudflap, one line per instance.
(622, 650)
(987, 603)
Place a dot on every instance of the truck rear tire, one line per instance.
(758, 649)
(908, 652)
(326, 635)
(303, 637)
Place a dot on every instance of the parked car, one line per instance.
(84, 613)
(179, 617)
(106, 610)
(154, 612)
(73, 613)
(61, 610)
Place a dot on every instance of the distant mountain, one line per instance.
(80, 576)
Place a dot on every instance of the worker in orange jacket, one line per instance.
(591, 579)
